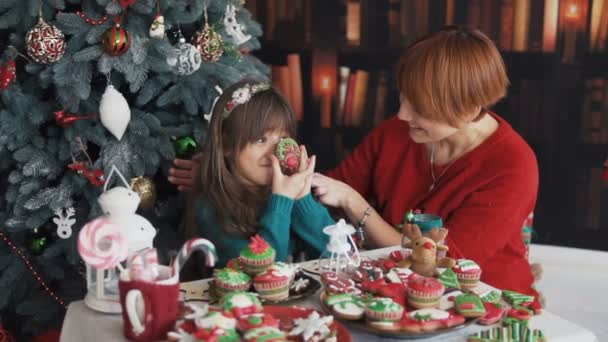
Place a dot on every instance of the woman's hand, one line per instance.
(332, 192)
(185, 172)
(296, 185)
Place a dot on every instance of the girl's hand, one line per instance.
(332, 192)
(304, 161)
(294, 185)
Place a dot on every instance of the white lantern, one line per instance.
(102, 247)
(341, 254)
(108, 240)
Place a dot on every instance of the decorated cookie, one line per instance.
(520, 313)
(494, 313)
(346, 306)
(312, 328)
(217, 334)
(508, 333)
(446, 302)
(241, 304)
(469, 305)
(516, 298)
(429, 319)
(367, 271)
(399, 275)
(487, 293)
(334, 283)
(257, 321)
(424, 292)
(400, 255)
(215, 319)
(265, 334)
(288, 153)
(227, 280)
(396, 291)
(383, 309)
(272, 284)
(385, 264)
(468, 273)
(300, 285)
(234, 264)
(257, 256)
(448, 279)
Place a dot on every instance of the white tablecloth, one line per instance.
(83, 324)
(573, 283)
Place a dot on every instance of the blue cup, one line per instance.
(426, 222)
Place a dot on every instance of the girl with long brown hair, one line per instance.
(242, 191)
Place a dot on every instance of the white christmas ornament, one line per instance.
(187, 58)
(119, 205)
(233, 28)
(64, 223)
(157, 29)
(114, 112)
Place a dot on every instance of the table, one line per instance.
(83, 324)
(573, 282)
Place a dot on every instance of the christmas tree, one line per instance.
(86, 85)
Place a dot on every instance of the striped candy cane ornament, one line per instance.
(192, 245)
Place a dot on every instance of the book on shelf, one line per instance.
(550, 20)
(288, 79)
(521, 24)
(505, 42)
(594, 121)
(353, 22)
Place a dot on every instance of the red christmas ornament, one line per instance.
(95, 177)
(126, 3)
(7, 74)
(65, 120)
(45, 43)
(209, 43)
(116, 40)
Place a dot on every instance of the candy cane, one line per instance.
(192, 245)
(101, 244)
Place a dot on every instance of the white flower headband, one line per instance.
(243, 94)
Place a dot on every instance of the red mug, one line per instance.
(149, 308)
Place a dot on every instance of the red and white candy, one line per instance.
(101, 244)
(193, 245)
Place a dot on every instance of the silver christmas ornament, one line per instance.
(187, 58)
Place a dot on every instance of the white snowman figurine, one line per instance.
(119, 205)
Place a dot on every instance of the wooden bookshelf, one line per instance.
(547, 103)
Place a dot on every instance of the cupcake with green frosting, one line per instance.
(227, 280)
(257, 257)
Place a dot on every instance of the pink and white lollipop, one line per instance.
(101, 244)
(192, 245)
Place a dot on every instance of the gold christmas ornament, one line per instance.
(146, 190)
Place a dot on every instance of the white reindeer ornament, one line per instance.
(233, 28)
(64, 223)
(119, 205)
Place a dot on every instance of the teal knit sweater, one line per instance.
(283, 222)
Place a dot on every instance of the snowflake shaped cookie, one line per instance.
(312, 325)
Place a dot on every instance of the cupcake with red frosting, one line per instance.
(424, 292)
(467, 272)
(257, 257)
(273, 284)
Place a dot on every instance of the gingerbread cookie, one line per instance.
(448, 279)
(424, 292)
(338, 284)
(467, 272)
(288, 153)
(264, 334)
(399, 275)
(446, 302)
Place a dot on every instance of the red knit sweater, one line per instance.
(483, 197)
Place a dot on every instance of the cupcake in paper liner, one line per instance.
(257, 257)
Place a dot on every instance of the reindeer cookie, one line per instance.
(423, 259)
